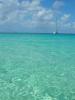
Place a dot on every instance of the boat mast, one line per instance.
(57, 5)
(56, 8)
(56, 24)
(56, 19)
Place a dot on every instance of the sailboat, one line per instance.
(54, 32)
(56, 21)
(56, 26)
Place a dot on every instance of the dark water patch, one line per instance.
(62, 97)
(52, 91)
(3, 70)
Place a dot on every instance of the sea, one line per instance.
(37, 66)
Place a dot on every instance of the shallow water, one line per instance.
(37, 67)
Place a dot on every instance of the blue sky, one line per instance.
(37, 16)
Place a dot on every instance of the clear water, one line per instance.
(37, 67)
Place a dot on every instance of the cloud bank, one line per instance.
(30, 15)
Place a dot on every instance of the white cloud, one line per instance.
(32, 14)
(10, 9)
(7, 7)
(73, 25)
(58, 4)
(65, 18)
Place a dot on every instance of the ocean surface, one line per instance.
(37, 67)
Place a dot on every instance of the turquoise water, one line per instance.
(37, 67)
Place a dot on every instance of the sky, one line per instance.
(37, 16)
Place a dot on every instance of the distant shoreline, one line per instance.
(36, 33)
